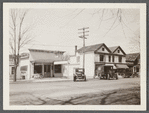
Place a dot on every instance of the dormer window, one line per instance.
(103, 49)
(118, 51)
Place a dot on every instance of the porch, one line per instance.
(46, 70)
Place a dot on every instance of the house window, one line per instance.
(101, 57)
(78, 58)
(103, 49)
(113, 58)
(137, 69)
(120, 58)
(109, 58)
(118, 51)
(23, 68)
(12, 70)
(57, 68)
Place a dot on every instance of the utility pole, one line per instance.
(83, 37)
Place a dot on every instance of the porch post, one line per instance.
(51, 71)
(42, 69)
(32, 69)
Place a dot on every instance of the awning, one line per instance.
(138, 66)
(43, 57)
(60, 62)
(121, 66)
(111, 65)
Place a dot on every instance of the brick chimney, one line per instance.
(75, 49)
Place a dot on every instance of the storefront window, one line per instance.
(57, 68)
(38, 69)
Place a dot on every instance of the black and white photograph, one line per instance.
(73, 56)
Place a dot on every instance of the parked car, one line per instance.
(78, 74)
(127, 73)
(23, 74)
(107, 72)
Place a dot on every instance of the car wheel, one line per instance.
(116, 77)
(84, 78)
(108, 77)
(100, 77)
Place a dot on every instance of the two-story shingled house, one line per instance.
(133, 62)
(99, 55)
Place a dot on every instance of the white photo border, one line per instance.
(7, 6)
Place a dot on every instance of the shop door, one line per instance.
(47, 71)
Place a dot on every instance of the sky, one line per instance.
(57, 29)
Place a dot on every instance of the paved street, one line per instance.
(92, 92)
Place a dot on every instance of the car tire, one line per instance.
(99, 77)
(108, 77)
(116, 77)
(84, 78)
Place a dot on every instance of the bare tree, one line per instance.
(116, 18)
(116, 15)
(19, 35)
(65, 57)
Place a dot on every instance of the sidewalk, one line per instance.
(51, 80)
(41, 80)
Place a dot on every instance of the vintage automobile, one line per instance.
(127, 73)
(78, 74)
(23, 74)
(107, 72)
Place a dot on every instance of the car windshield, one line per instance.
(79, 70)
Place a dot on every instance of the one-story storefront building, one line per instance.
(44, 62)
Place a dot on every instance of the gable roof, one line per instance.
(114, 48)
(92, 48)
(132, 57)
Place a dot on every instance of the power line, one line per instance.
(53, 45)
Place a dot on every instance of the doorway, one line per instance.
(47, 70)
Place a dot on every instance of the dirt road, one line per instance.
(92, 92)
